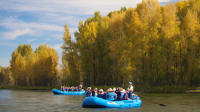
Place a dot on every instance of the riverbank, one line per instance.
(28, 87)
(156, 89)
(195, 90)
(165, 89)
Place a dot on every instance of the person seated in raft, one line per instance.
(75, 89)
(129, 93)
(61, 88)
(64, 88)
(117, 92)
(80, 87)
(122, 95)
(70, 89)
(125, 97)
(130, 90)
(114, 89)
(101, 94)
(94, 92)
(88, 92)
(110, 95)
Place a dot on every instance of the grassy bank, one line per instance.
(27, 87)
(165, 89)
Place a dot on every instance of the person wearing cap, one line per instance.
(110, 95)
(130, 90)
(100, 94)
(88, 92)
(130, 86)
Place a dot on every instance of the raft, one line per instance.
(59, 92)
(96, 102)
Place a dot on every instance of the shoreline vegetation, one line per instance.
(27, 87)
(160, 89)
(157, 47)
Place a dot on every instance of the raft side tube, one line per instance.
(95, 102)
(58, 92)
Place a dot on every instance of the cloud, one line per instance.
(31, 40)
(58, 36)
(57, 47)
(4, 61)
(80, 7)
(16, 28)
(53, 14)
(12, 23)
(14, 34)
(165, 0)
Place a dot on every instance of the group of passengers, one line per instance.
(112, 94)
(78, 88)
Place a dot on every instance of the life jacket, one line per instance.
(125, 97)
(94, 93)
(130, 95)
(121, 96)
(118, 95)
(110, 96)
(88, 93)
(131, 88)
(100, 95)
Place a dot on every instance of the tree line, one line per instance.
(34, 68)
(151, 45)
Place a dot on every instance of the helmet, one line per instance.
(129, 82)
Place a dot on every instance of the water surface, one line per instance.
(45, 101)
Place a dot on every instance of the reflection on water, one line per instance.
(45, 101)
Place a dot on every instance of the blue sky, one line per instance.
(38, 22)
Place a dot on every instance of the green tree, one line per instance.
(70, 59)
(18, 64)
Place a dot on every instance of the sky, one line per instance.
(38, 22)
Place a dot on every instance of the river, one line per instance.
(45, 101)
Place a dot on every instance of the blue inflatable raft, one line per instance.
(95, 102)
(58, 92)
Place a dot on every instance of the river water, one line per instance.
(45, 101)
